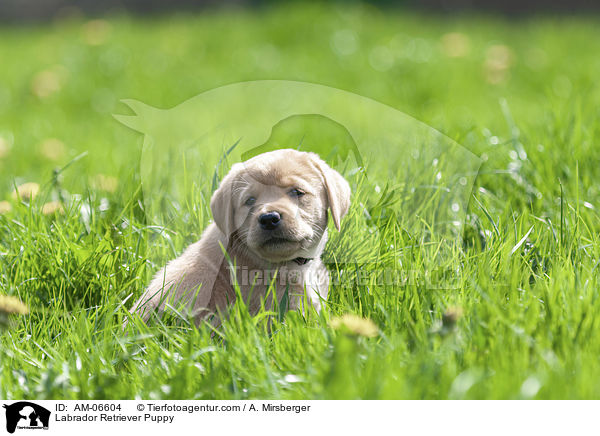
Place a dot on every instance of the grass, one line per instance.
(520, 93)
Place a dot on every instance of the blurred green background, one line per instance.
(63, 79)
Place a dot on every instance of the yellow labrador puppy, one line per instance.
(270, 228)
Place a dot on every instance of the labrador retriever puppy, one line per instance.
(270, 227)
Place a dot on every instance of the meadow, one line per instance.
(521, 322)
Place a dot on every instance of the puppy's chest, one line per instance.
(258, 284)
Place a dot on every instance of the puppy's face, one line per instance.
(276, 204)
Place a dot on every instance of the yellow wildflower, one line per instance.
(355, 325)
(26, 191)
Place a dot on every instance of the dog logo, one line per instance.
(419, 181)
(26, 415)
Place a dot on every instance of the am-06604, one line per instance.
(99, 407)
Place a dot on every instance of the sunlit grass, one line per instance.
(523, 319)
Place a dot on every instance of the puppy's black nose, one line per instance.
(269, 221)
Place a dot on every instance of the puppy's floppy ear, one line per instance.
(221, 203)
(338, 191)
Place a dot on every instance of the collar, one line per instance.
(301, 260)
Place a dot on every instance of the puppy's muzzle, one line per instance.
(269, 221)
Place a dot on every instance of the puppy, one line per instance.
(270, 227)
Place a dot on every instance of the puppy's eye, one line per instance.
(250, 201)
(296, 192)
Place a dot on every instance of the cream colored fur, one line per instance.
(201, 278)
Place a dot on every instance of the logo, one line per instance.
(419, 181)
(26, 415)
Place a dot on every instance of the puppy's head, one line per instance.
(276, 204)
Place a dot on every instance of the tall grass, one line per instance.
(526, 270)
